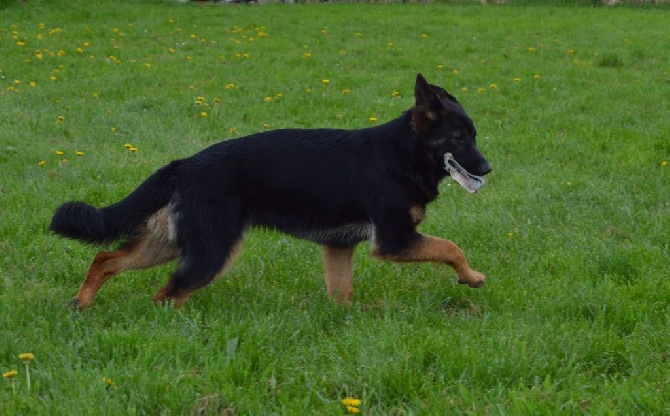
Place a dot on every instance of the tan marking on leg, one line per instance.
(417, 213)
(149, 249)
(167, 293)
(437, 250)
(338, 266)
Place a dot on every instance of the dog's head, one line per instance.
(441, 124)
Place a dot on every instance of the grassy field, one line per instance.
(571, 105)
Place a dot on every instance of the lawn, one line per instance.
(571, 105)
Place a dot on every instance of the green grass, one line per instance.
(571, 106)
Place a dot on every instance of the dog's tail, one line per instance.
(81, 221)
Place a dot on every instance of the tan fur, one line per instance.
(338, 267)
(437, 250)
(151, 247)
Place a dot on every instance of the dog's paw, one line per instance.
(473, 279)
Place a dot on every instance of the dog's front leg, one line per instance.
(338, 267)
(437, 250)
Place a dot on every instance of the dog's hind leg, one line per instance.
(437, 250)
(150, 247)
(210, 239)
(338, 267)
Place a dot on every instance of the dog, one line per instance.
(334, 187)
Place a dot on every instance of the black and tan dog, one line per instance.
(334, 187)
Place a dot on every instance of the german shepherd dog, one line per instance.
(333, 187)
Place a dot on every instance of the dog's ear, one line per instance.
(428, 104)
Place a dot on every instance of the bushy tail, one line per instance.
(84, 222)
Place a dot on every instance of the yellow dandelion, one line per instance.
(41, 163)
(191, 87)
(481, 90)
(10, 374)
(60, 120)
(27, 356)
(424, 35)
(278, 96)
(147, 64)
(390, 44)
(464, 89)
(325, 82)
(517, 79)
(60, 52)
(87, 44)
(531, 49)
(245, 55)
(203, 114)
(17, 82)
(230, 86)
(59, 153)
(440, 67)
(132, 149)
(217, 100)
(108, 381)
(664, 163)
(456, 72)
(127, 145)
(510, 234)
(266, 126)
(571, 51)
(20, 43)
(80, 50)
(568, 183)
(308, 90)
(493, 86)
(42, 26)
(307, 55)
(233, 130)
(536, 76)
(267, 99)
(351, 401)
(38, 54)
(79, 153)
(53, 78)
(395, 94)
(373, 119)
(32, 83)
(346, 91)
(171, 50)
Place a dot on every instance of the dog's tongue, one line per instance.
(464, 178)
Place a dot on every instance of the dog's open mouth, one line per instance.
(464, 178)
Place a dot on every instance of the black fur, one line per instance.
(333, 187)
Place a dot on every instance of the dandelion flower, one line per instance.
(456, 72)
(267, 99)
(60, 120)
(353, 409)
(536, 76)
(664, 163)
(325, 82)
(59, 152)
(20, 43)
(127, 145)
(132, 149)
(373, 119)
(32, 84)
(346, 91)
(464, 89)
(108, 381)
(217, 100)
(203, 114)
(307, 55)
(230, 86)
(266, 126)
(493, 86)
(395, 94)
(10, 374)
(41, 163)
(26, 356)
(424, 35)
(350, 401)
(531, 49)
(517, 79)
(79, 153)
(481, 90)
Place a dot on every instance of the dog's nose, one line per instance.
(484, 168)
